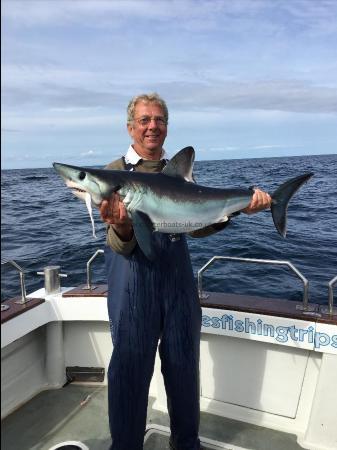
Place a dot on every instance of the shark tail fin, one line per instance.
(281, 198)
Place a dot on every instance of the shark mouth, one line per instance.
(76, 189)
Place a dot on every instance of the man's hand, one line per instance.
(113, 212)
(261, 200)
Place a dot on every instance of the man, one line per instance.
(151, 302)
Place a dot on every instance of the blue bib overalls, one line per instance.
(151, 303)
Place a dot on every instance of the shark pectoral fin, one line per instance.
(181, 165)
(280, 200)
(143, 229)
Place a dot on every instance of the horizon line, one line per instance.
(197, 160)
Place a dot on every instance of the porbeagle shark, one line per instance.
(170, 201)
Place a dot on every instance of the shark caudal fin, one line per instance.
(280, 200)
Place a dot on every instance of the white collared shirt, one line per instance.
(133, 158)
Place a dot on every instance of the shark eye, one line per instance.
(81, 175)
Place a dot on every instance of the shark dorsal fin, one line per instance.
(181, 165)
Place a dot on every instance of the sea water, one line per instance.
(44, 224)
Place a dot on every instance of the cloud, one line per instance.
(247, 148)
(239, 16)
(70, 67)
(101, 13)
(64, 88)
(10, 130)
(207, 70)
(266, 147)
(277, 95)
(54, 120)
(91, 153)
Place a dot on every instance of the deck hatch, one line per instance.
(85, 374)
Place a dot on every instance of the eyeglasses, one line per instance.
(145, 120)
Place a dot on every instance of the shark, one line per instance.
(171, 201)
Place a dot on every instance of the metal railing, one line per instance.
(89, 286)
(331, 309)
(305, 303)
(24, 298)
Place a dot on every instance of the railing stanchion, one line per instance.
(305, 303)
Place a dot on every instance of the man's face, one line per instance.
(148, 137)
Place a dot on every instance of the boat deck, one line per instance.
(79, 412)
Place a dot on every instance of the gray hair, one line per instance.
(145, 98)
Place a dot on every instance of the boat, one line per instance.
(268, 369)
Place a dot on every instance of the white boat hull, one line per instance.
(251, 377)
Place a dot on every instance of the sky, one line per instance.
(241, 78)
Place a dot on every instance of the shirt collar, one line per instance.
(133, 158)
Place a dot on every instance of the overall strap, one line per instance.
(128, 166)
